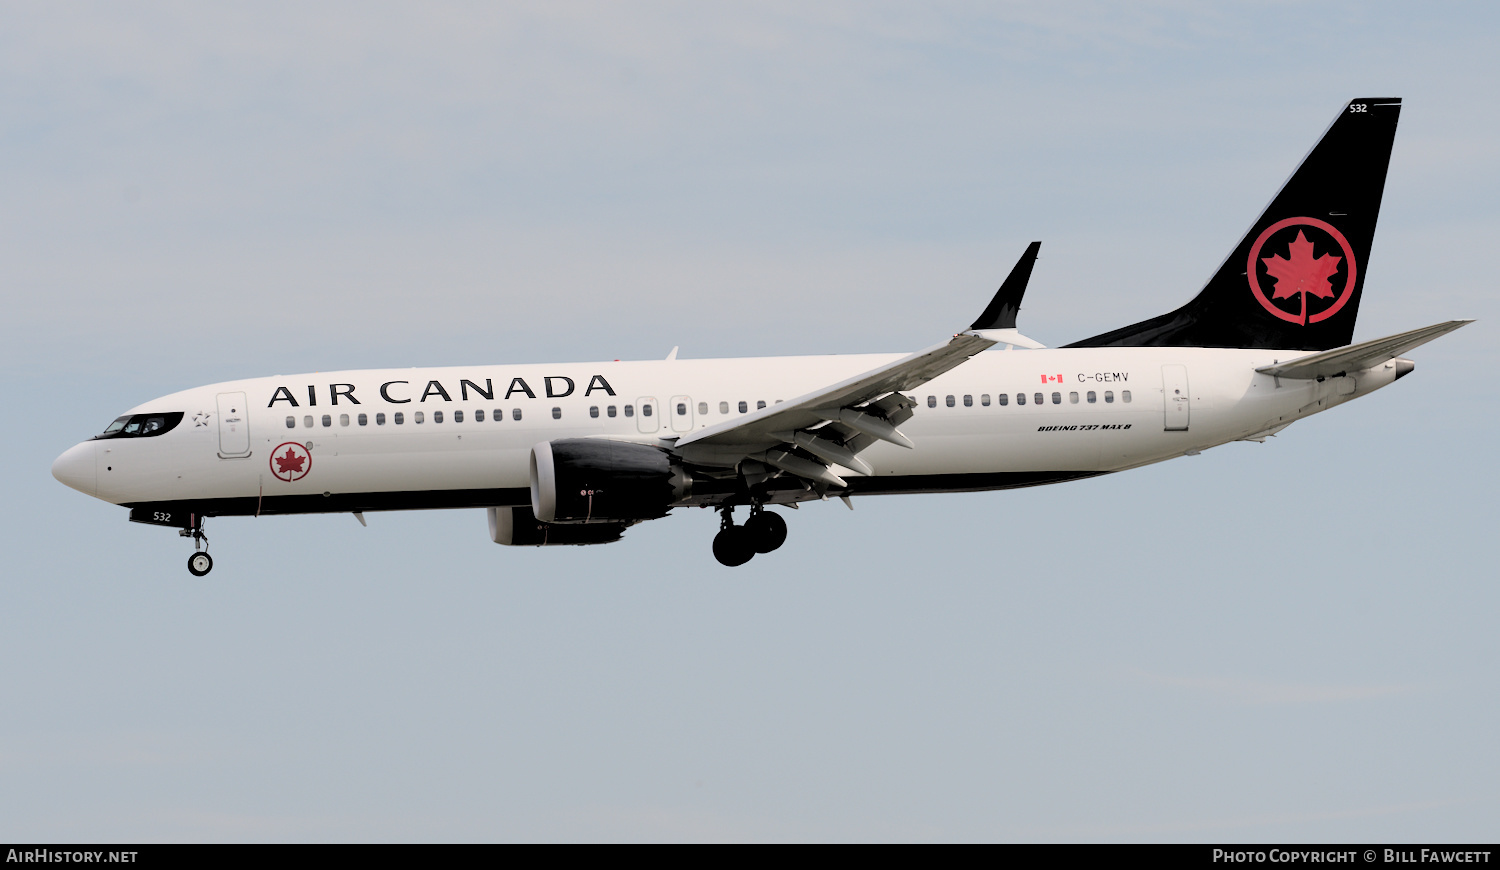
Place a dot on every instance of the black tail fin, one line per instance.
(1294, 281)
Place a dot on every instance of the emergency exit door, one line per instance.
(682, 413)
(1176, 404)
(646, 418)
(234, 426)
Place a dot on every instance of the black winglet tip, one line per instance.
(1001, 312)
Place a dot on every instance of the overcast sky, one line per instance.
(1292, 641)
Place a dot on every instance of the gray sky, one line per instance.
(1288, 641)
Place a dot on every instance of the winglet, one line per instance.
(1001, 313)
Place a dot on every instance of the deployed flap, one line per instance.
(1357, 357)
(774, 425)
(809, 435)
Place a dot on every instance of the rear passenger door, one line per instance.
(1176, 405)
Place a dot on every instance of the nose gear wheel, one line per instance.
(200, 563)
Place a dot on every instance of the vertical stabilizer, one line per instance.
(1294, 281)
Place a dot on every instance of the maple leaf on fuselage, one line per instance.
(290, 463)
(1303, 273)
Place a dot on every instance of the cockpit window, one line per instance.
(141, 425)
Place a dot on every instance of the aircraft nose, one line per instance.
(76, 468)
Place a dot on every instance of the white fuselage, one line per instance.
(1100, 410)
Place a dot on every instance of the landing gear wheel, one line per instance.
(733, 546)
(200, 564)
(766, 530)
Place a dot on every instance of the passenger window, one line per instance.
(744, 408)
(594, 411)
(760, 404)
(416, 417)
(682, 409)
(327, 420)
(307, 421)
(968, 401)
(984, 399)
(398, 418)
(723, 407)
(1036, 399)
(458, 416)
(1020, 398)
(291, 423)
(1124, 395)
(343, 419)
(479, 416)
(610, 411)
(646, 410)
(932, 401)
(557, 413)
(515, 413)
(1092, 397)
(1057, 398)
(1002, 399)
(364, 420)
(703, 407)
(630, 410)
(380, 419)
(1109, 396)
(949, 401)
(499, 415)
(1072, 398)
(437, 417)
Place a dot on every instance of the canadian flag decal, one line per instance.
(1051, 379)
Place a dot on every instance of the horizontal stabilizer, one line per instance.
(1357, 357)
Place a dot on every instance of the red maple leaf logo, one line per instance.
(291, 463)
(1302, 273)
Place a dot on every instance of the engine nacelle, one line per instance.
(591, 480)
(517, 527)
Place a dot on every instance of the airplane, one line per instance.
(572, 454)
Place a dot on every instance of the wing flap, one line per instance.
(807, 437)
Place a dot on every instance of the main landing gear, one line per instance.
(200, 563)
(762, 532)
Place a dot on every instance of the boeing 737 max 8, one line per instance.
(577, 453)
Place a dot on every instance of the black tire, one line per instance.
(200, 564)
(767, 531)
(733, 547)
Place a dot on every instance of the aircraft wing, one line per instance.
(830, 426)
(1357, 357)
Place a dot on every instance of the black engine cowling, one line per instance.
(517, 527)
(591, 480)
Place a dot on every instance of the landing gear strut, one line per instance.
(200, 563)
(762, 532)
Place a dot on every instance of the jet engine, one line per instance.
(592, 480)
(517, 527)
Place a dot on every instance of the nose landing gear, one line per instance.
(762, 532)
(200, 563)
